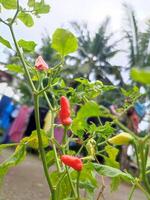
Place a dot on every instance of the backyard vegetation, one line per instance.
(74, 99)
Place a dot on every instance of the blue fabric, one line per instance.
(5, 118)
(5, 101)
(6, 108)
(140, 109)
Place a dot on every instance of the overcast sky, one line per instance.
(91, 11)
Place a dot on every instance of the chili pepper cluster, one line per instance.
(65, 112)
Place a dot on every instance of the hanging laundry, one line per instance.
(19, 125)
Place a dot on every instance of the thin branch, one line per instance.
(16, 14)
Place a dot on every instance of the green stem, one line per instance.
(44, 89)
(22, 60)
(70, 180)
(102, 143)
(116, 121)
(56, 158)
(143, 168)
(52, 131)
(132, 191)
(143, 190)
(65, 135)
(1, 20)
(137, 155)
(53, 144)
(41, 149)
(146, 138)
(48, 102)
(15, 16)
(148, 172)
(78, 191)
(60, 180)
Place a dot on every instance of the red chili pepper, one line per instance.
(40, 64)
(65, 112)
(72, 161)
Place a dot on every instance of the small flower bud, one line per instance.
(40, 64)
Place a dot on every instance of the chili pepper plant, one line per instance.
(70, 174)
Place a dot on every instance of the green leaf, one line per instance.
(87, 178)
(5, 42)
(32, 141)
(15, 68)
(50, 158)
(31, 3)
(41, 8)
(115, 182)
(26, 18)
(63, 190)
(112, 172)
(141, 76)
(27, 46)
(103, 131)
(17, 157)
(89, 89)
(3, 146)
(90, 109)
(64, 41)
(112, 154)
(9, 4)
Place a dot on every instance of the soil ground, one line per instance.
(27, 182)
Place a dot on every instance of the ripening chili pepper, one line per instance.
(65, 112)
(72, 161)
(120, 139)
(40, 64)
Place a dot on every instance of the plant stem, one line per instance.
(78, 191)
(42, 152)
(22, 60)
(52, 132)
(143, 190)
(72, 186)
(143, 168)
(136, 153)
(15, 16)
(132, 191)
(65, 135)
(116, 121)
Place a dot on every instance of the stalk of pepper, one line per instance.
(121, 138)
(65, 112)
(72, 161)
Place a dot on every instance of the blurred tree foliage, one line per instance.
(138, 40)
(93, 60)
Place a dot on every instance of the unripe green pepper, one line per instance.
(121, 138)
(90, 146)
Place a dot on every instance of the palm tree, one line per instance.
(138, 41)
(95, 53)
(138, 44)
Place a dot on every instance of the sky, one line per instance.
(64, 11)
(93, 12)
